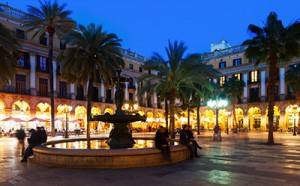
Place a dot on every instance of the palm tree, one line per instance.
(8, 54)
(292, 77)
(93, 53)
(273, 44)
(233, 90)
(53, 19)
(170, 76)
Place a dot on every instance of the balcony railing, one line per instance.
(25, 66)
(107, 100)
(13, 90)
(253, 82)
(253, 99)
(38, 69)
(79, 97)
(64, 96)
(290, 97)
(131, 87)
(43, 94)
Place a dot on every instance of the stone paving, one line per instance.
(240, 159)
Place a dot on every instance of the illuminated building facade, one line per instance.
(25, 100)
(251, 111)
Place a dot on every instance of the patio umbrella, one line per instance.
(13, 119)
(37, 119)
(59, 119)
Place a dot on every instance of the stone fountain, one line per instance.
(120, 155)
(120, 136)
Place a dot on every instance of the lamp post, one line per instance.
(294, 109)
(66, 109)
(217, 104)
(228, 113)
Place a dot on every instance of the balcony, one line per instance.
(131, 87)
(13, 90)
(64, 95)
(253, 99)
(107, 100)
(24, 66)
(290, 97)
(277, 79)
(80, 97)
(43, 94)
(38, 69)
(250, 82)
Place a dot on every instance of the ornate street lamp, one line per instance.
(294, 109)
(216, 105)
(66, 109)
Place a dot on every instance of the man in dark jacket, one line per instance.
(161, 142)
(33, 141)
(184, 140)
(192, 137)
(42, 134)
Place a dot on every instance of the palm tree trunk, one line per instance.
(234, 118)
(188, 115)
(271, 98)
(89, 108)
(198, 116)
(172, 115)
(166, 114)
(50, 52)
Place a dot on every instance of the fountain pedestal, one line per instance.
(120, 137)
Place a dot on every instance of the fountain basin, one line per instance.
(105, 158)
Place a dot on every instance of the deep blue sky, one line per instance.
(146, 26)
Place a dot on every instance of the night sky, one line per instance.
(146, 26)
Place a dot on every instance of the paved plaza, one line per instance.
(240, 159)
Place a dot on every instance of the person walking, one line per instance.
(33, 141)
(161, 142)
(21, 137)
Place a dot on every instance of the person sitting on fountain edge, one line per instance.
(33, 141)
(161, 142)
(184, 140)
(192, 137)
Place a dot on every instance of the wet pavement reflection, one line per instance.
(240, 159)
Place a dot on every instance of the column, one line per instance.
(114, 93)
(102, 92)
(54, 78)
(86, 88)
(246, 123)
(282, 83)
(263, 86)
(136, 90)
(72, 87)
(32, 74)
(126, 91)
(263, 120)
(155, 100)
(245, 78)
